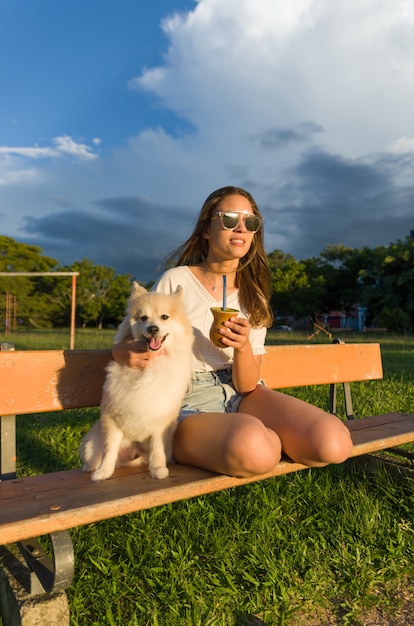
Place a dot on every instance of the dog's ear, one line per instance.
(137, 289)
(179, 291)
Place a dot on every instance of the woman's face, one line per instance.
(229, 244)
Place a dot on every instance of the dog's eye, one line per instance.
(165, 316)
(143, 318)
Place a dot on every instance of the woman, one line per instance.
(230, 422)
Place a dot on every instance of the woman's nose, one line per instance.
(241, 226)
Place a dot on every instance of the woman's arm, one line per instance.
(246, 365)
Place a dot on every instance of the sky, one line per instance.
(118, 119)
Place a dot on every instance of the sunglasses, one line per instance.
(231, 219)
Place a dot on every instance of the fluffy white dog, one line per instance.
(139, 407)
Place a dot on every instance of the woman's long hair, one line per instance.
(253, 278)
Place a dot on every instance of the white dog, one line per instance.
(139, 407)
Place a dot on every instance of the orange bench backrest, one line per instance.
(50, 380)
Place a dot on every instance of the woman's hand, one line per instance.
(235, 333)
(135, 354)
(246, 366)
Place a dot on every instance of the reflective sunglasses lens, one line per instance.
(229, 220)
(252, 223)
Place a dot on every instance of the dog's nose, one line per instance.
(153, 330)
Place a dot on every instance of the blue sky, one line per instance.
(118, 119)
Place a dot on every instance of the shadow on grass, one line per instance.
(49, 442)
(242, 619)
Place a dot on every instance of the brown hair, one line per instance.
(253, 277)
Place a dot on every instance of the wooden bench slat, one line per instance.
(381, 431)
(297, 365)
(65, 379)
(42, 504)
(36, 381)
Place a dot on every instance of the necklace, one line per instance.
(203, 269)
(213, 286)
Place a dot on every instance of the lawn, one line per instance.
(273, 552)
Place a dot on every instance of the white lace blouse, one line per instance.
(198, 301)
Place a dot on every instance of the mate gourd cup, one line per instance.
(220, 316)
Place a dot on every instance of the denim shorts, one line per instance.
(210, 392)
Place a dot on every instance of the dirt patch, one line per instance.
(375, 617)
(403, 616)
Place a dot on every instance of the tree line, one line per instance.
(379, 279)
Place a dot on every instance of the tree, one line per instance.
(398, 278)
(340, 269)
(46, 301)
(292, 291)
(368, 268)
(380, 279)
(101, 295)
(32, 303)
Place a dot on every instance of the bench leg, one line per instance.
(7, 447)
(19, 608)
(347, 396)
(32, 585)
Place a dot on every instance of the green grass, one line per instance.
(321, 539)
(86, 338)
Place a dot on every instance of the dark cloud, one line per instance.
(325, 199)
(331, 174)
(130, 234)
(276, 138)
(329, 200)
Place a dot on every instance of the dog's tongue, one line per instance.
(154, 343)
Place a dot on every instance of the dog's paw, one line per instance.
(100, 474)
(159, 472)
(90, 466)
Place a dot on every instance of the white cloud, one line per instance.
(236, 64)
(66, 145)
(61, 145)
(11, 176)
(402, 145)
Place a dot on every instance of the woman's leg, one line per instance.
(308, 434)
(229, 443)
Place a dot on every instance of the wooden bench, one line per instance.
(34, 382)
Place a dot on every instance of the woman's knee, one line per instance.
(252, 449)
(332, 441)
